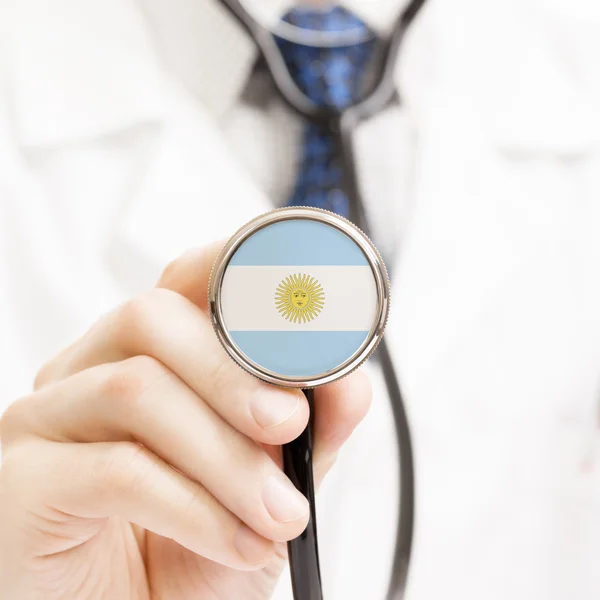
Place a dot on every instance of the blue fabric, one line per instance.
(330, 77)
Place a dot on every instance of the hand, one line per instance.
(146, 463)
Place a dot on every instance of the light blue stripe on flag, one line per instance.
(299, 353)
(298, 242)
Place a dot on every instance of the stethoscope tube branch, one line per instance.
(267, 46)
(405, 527)
(381, 93)
(303, 551)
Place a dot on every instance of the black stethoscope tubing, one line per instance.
(297, 456)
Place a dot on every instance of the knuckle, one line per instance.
(220, 377)
(147, 368)
(128, 381)
(134, 318)
(227, 379)
(50, 370)
(174, 274)
(10, 462)
(62, 365)
(137, 319)
(12, 419)
(124, 466)
(171, 271)
(43, 375)
(224, 384)
(198, 502)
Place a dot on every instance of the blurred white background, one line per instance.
(133, 130)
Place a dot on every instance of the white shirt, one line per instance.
(128, 133)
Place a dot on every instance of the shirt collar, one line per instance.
(83, 69)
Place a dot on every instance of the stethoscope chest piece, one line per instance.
(299, 297)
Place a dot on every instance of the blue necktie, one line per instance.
(330, 77)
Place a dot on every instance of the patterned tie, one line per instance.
(330, 77)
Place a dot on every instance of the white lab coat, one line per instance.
(127, 134)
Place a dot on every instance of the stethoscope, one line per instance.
(304, 560)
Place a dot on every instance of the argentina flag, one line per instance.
(299, 298)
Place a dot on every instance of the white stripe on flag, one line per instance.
(248, 298)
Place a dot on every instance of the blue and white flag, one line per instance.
(299, 298)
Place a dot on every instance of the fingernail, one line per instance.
(252, 547)
(283, 501)
(273, 407)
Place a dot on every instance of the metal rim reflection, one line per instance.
(377, 268)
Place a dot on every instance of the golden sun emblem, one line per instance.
(299, 298)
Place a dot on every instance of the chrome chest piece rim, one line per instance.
(375, 263)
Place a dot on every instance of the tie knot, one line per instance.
(330, 76)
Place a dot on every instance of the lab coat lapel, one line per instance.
(193, 191)
(205, 47)
(493, 173)
(93, 89)
(80, 70)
